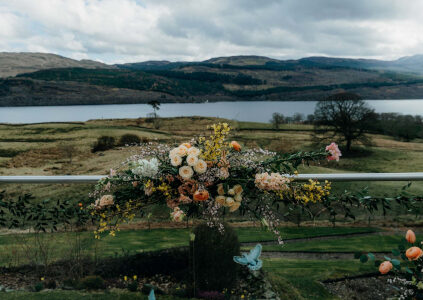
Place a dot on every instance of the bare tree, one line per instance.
(155, 105)
(345, 117)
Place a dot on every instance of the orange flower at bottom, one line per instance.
(200, 196)
(385, 267)
(236, 146)
(410, 237)
(414, 253)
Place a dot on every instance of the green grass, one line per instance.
(132, 241)
(300, 278)
(372, 243)
(258, 234)
(76, 295)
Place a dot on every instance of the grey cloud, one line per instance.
(119, 30)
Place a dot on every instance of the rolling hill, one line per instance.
(12, 63)
(47, 79)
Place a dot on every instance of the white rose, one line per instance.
(192, 160)
(182, 151)
(200, 167)
(173, 152)
(231, 192)
(194, 151)
(176, 160)
(186, 172)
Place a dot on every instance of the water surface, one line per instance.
(255, 111)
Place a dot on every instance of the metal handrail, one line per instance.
(414, 176)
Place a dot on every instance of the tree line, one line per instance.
(346, 118)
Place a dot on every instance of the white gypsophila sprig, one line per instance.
(212, 215)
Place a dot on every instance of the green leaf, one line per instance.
(364, 258)
(408, 270)
(395, 252)
(387, 258)
(395, 262)
(371, 256)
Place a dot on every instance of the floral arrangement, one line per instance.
(408, 273)
(207, 177)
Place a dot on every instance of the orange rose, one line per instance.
(414, 253)
(410, 237)
(385, 267)
(188, 145)
(80, 204)
(200, 196)
(236, 146)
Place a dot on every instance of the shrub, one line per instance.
(38, 287)
(51, 284)
(91, 283)
(132, 286)
(212, 258)
(103, 143)
(129, 139)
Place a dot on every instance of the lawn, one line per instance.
(371, 243)
(76, 295)
(132, 241)
(299, 278)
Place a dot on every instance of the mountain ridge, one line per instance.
(56, 80)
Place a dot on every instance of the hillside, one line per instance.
(62, 81)
(12, 64)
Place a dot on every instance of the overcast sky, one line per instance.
(115, 31)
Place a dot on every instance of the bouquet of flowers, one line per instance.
(408, 274)
(207, 177)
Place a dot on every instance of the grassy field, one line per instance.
(43, 149)
(373, 243)
(132, 241)
(293, 278)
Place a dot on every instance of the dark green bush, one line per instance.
(132, 286)
(103, 143)
(212, 258)
(129, 139)
(38, 287)
(51, 284)
(91, 283)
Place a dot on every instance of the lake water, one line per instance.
(255, 111)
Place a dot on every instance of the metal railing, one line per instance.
(416, 176)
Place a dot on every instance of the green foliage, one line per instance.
(132, 286)
(129, 139)
(103, 143)
(24, 212)
(38, 287)
(212, 258)
(91, 283)
(240, 78)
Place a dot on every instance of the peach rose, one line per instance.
(238, 189)
(221, 200)
(220, 189)
(385, 267)
(200, 196)
(413, 253)
(236, 146)
(234, 206)
(188, 145)
(410, 237)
